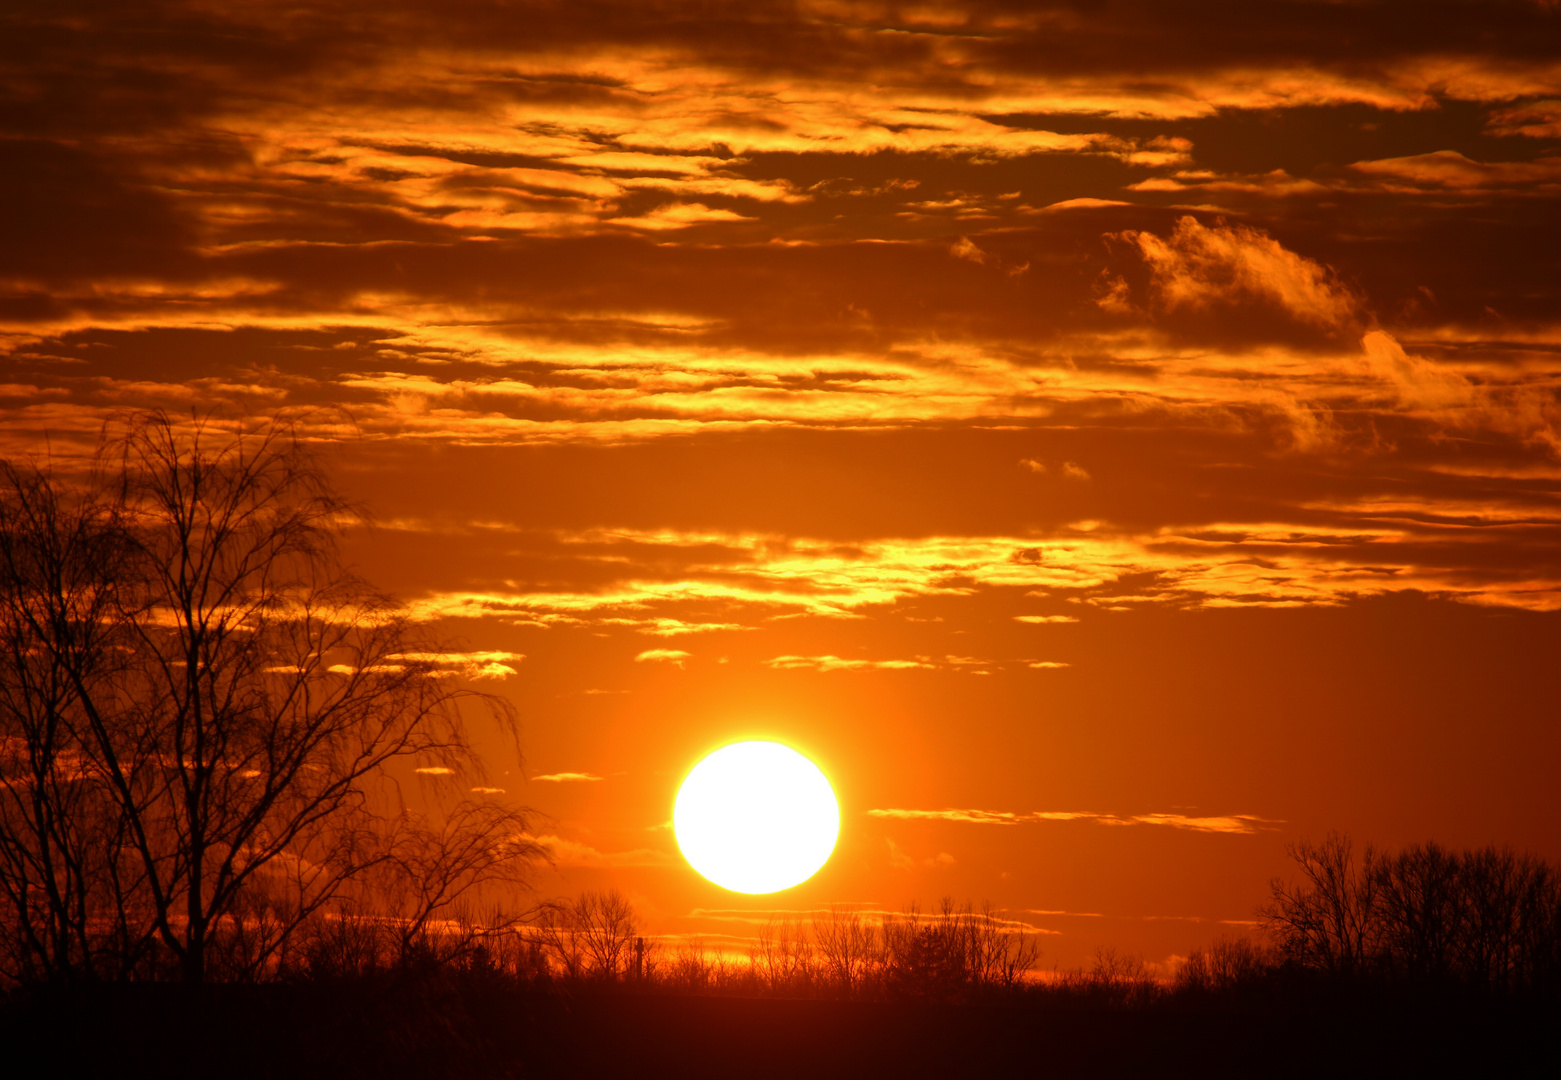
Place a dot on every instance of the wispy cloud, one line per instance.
(835, 663)
(977, 817)
(484, 664)
(667, 656)
(870, 912)
(1228, 823)
(1351, 554)
(567, 777)
(564, 852)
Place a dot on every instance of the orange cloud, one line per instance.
(488, 664)
(835, 663)
(1230, 823)
(1212, 564)
(976, 817)
(670, 656)
(572, 853)
(1198, 266)
(1451, 172)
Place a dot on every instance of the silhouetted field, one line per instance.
(471, 1027)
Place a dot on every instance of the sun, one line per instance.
(756, 817)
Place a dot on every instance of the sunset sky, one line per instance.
(1112, 440)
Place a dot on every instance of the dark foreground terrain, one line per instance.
(402, 1028)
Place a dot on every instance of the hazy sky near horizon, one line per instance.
(1112, 439)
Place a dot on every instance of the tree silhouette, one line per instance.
(847, 945)
(200, 704)
(1331, 921)
(1489, 919)
(595, 936)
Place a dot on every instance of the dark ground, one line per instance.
(400, 1028)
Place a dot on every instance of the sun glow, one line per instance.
(756, 817)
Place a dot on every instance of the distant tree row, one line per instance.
(1489, 919)
(596, 938)
(200, 711)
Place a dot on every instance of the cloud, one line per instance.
(1047, 664)
(668, 627)
(567, 777)
(679, 216)
(835, 663)
(1069, 914)
(435, 770)
(1070, 470)
(965, 249)
(1041, 619)
(568, 853)
(1419, 383)
(670, 656)
(1455, 401)
(973, 665)
(1200, 266)
(1230, 823)
(1449, 172)
(488, 664)
(867, 911)
(1085, 203)
(1349, 554)
(1535, 120)
(977, 817)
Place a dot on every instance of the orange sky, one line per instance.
(1112, 439)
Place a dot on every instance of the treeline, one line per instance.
(1477, 925)
(838, 952)
(1488, 920)
(597, 940)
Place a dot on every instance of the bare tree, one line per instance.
(202, 658)
(1227, 964)
(1330, 921)
(847, 946)
(1489, 919)
(1120, 978)
(1001, 953)
(62, 564)
(1421, 903)
(433, 870)
(596, 935)
(782, 957)
(608, 927)
(1511, 922)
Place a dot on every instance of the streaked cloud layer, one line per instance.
(1228, 823)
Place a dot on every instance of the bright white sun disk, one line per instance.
(756, 817)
